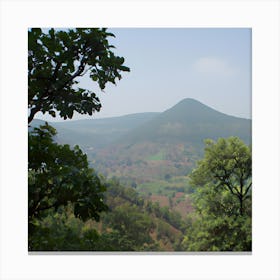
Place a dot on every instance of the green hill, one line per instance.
(191, 122)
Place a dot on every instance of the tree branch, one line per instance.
(46, 207)
(248, 188)
(79, 71)
(33, 111)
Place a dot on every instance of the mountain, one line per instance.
(167, 145)
(191, 122)
(96, 133)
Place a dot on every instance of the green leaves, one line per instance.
(227, 164)
(61, 231)
(222, 181)
(57, 58)
(59, 175)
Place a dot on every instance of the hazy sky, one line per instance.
(212, 65)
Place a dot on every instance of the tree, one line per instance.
(55, 62)
(220, 233)
(227, 164)
(131, 223)
(222, 199)
(62, 231)
(59, 175)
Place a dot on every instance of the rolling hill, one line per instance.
(190, 121)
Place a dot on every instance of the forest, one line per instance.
(180, 180)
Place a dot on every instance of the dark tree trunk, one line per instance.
(241, 205)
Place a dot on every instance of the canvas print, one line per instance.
(139, 140)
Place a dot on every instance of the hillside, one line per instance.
(147, 148)
(170, 143)
(191, 122)
(96, 133)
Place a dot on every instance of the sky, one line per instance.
(211, 65)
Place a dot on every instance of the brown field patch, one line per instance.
(161, 199)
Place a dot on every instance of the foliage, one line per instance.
(127, 218)
(59, 175)
(219, 233)
(63, 191)
(62, 231)
(141, 224)
(130, 222)
(57, 58)
(227, 164)
(222, 221)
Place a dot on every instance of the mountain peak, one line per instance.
(189, 109)
(189, 100)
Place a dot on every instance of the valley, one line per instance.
(153, 152)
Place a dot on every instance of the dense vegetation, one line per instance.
(153, 186)
(216, 220)
(58, 175)
(222, 198)
(131, 224)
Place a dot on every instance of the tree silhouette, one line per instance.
(55, 62)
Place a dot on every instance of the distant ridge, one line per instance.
(190, 121)
(195, 110)
(96, 132)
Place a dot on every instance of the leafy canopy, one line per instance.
(58, 58)
(59, 175)
(227, 165)
(222, 199)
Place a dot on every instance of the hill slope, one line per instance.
(96, 133)
(166, 146)
(190, 121)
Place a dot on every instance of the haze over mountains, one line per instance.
(189, 121)
(153, 152)
(146, 148)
